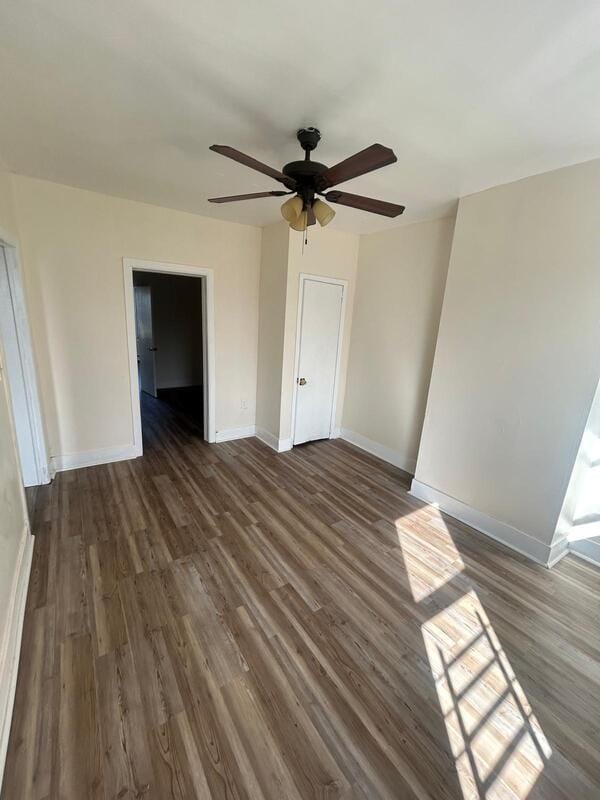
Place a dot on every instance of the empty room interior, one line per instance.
(300, 400)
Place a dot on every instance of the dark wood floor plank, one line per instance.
(314, 769)
(127, 764)
(224, 760)
(72, 589)
(107, 614)
(223, 622)
(32, 735)
(265, 752)
(81, 766)
(177, 767)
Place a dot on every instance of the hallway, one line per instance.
(175, 415)
(221, 621)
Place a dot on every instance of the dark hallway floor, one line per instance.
(188, 400)
(176, 416)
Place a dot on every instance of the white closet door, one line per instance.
(317, 364)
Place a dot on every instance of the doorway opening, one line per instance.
(169, 309)
(19, 371)
(321, 307)
(169, 342)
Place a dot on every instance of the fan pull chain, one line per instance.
(306, 231)
(305, 234)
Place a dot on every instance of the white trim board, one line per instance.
(380, 450)
(208, 321)
(15, 303)
(588, 549)
(228, 434)
(524, 543)
(10, 647)
(279, 445)
(91, 458)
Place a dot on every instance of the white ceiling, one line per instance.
(126, 97)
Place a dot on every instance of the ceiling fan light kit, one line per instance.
(305, 179)
(300, 224)
(323, 212)
(292, 209)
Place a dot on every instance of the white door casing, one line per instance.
(208, 340)
(320, 327)
(20, 372)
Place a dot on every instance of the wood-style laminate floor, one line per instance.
(225, 622)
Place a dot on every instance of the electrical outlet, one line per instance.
(244, 405)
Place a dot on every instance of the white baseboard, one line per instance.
(91, 458)
(380, 450)
(502, 532)
(228, 434)
(279, 445)
(10, 646)
(588, 549)
(558, 550)
(268, 438)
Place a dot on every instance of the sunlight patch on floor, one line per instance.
(428, 567)
(497, 743)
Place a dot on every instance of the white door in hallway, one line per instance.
(145, 339)
(320, 328)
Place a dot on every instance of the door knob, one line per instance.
(153, 349)
(301, 381)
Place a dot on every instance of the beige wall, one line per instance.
(333, 254)
(400, 287)
(73, 242)
(273, 287)
(518, 353)
(13, 515)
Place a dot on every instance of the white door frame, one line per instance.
(12, 300)
(208, 336)
(303, 277)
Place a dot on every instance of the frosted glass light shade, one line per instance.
(291, 209)
(301, 223)
(323, 212)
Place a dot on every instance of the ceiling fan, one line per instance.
(306, 179)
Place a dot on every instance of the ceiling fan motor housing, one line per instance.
(306, 172)
(309, 138)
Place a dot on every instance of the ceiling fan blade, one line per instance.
(365, 203)
(248, 161)
(235, 197)
(310, 217)
(367, 160)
